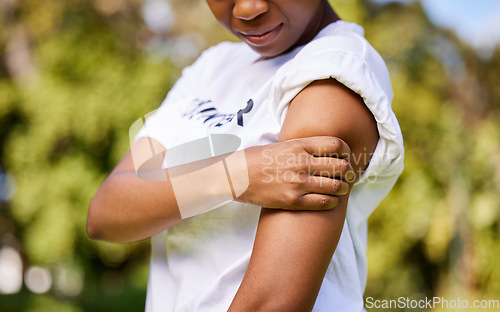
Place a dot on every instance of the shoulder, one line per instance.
(341, 52)
(340, 36)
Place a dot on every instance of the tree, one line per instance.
(76, 74)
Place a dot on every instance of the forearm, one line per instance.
(129, 207)
(132, 205)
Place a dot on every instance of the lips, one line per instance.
(262, 36)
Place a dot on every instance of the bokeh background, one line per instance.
(75, 74)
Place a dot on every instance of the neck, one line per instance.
(325, 16)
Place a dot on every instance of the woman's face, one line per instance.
(271, 27)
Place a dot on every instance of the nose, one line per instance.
(249, 9)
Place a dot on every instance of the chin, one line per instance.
(268, 53)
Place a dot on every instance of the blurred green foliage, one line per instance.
(76, 74)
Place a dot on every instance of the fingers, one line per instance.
(323, 194)
(331, 156)
(326, 186)
(314, 201)
(326, 146)
(300, 174)
(317, 193)
(330, 167)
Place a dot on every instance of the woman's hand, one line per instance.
(139, 199)
(300, 174)
(293, 249)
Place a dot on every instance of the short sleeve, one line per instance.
(353, 62)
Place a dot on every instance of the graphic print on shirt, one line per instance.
(204, 111)
(246, 110)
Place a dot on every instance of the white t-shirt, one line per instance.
(199, 264)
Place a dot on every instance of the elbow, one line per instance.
(273, 302)
(93, 232)
(276, 306)
(101, 225)
(94, 228)
(289, 304)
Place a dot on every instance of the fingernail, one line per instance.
(350, 176)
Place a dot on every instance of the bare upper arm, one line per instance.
(293, 249)
(327, 107)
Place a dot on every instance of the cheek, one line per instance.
(221, 11)
(301, 16)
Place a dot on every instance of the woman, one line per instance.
(301, 72)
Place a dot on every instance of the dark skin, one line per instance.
(297, 21)
(293, 249)
(127, 208)
(279, 276)
(118, 211)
